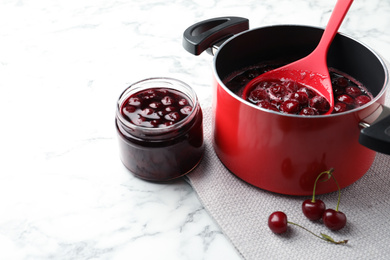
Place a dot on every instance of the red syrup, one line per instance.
(159, 124)
(293, 98)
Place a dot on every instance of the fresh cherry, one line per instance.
(334, 220)
(278, 222)
(313, 210)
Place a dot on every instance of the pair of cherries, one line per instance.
(314, 210)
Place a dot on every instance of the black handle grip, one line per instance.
(377, 136)
(203, 35)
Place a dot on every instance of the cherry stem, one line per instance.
(329, 172)
(338, 187)
(323, 236)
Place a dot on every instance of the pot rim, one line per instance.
(374, 100)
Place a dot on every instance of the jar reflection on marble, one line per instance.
(160, 129)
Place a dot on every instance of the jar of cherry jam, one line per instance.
(160, 128)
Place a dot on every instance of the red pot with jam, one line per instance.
(278, 139)
(159, 125)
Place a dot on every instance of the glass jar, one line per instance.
(160, 129)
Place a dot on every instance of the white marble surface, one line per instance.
(64, 194)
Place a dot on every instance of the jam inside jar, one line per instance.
(160, 129)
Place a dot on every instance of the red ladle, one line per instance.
(312, 70)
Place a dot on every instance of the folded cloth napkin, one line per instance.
(241, 210)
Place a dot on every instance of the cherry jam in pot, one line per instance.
(160, 130)
(292, 98)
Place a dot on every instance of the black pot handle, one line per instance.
(205, 34)
(377, 135)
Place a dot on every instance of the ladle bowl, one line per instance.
(312, 70)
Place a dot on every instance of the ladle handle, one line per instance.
(340, 10)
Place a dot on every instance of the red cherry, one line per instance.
(301, 97)
(155, 105)
(277, 91)
(139, 121)
(129, 109)
(313, 210)
(345, 99)
(134, 101)
(267, 105)
(320, 103)
(334, 220)
(173, 116)
(310, 93)
(308, 111)
(290, 107)
(292, 86)
(258, 95)
(342, 82)
(338, 90)
(167, 101)
(277, 222)
(263, 84)
(183, 102)
(340, 107)
(155, 122)
(148, 94)
(186, 110)
(353, 91)
(361, 100)
(170, 109)
(147, 111)
(276, 102)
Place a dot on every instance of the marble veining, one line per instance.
(64, 193)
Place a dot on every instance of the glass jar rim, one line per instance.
(157, 82)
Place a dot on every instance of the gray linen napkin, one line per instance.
(241, 210)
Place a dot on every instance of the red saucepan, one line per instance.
(280, 152)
